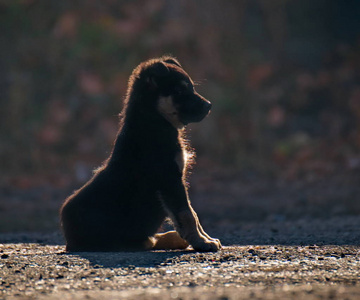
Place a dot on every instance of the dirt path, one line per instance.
(309, 241)
(32, 270)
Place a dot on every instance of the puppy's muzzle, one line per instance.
(207, 106)
(197, 110)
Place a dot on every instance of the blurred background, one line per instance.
(283, 138)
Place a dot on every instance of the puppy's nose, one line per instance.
(208, 105)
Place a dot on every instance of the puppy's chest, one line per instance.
(181, 159)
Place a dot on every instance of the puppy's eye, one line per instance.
(178, 91)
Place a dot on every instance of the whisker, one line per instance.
(199, 82)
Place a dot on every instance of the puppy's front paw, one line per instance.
(206, 245)
(218, 241)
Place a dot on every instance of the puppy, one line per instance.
(143, 181)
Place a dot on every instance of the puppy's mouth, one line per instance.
(181, 115)
(196, 114)
(194, 117)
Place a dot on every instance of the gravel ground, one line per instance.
(297, 240)
(42, 270)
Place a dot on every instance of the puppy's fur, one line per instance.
(143, 181)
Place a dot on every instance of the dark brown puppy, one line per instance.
(143, 181)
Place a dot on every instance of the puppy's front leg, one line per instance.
(190, 229)
(185, 219)
(201, 230)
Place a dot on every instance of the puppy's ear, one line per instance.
(158, 69)
(171, 60)
(156, 72)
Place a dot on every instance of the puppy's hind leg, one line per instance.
(169, 240)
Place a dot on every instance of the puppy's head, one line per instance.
(177, 100)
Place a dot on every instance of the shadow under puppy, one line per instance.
(143, 181)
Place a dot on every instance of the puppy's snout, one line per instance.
(195, 110)
(208, 105)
